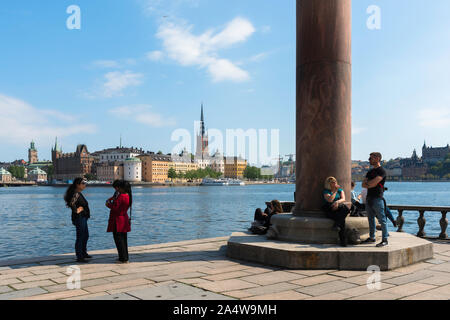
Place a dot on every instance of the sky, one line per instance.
(140, 70)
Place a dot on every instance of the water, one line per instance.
(35, 221)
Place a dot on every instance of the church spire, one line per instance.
(202, 122)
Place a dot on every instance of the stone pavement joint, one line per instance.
(200, 270)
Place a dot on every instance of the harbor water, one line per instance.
(35, 221)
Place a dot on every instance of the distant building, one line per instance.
(413, 168)
(432, 155)
(37, 175)
(218, 162)
(132, 170)
(118, 154)
(155, 167)
(235, 167)
(32, 154)
(182, 163)
(202, 157)
(5, 175)
(68, 166)
(110, 171)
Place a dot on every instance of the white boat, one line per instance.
(214, 182)
(236, 182)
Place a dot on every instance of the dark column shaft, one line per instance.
(323, 99)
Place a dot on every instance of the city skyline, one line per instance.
(140, 70)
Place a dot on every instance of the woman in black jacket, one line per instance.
(80, 214)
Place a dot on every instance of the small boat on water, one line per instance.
(214, 182)
(236, 182)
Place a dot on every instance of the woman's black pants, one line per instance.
(120, 238)
(339, 218)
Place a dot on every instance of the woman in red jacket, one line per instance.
(119, 222)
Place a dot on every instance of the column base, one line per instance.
(312, 228)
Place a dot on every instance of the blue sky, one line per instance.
(141, 69)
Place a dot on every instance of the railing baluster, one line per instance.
(421, 222)
(400, 221)
(444, 224)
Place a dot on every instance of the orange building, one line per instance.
(235, 167)
(155, 167)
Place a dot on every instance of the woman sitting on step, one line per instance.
(335, 207)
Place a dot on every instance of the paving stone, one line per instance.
(89, 276)
(377, 295)
(33, 284)
(273, 288)
(84, 283)
(442, 267)
(412, 268)
(363, 290)
(212, 271)
(309, 281)
(46, 276)
(409, 289)
(238, 294)
(177, 291)
(438, 280)
(441, 293)
(9, 281)
(347, 273)
(325, 288)
(228, 275)
(15, 274)
(44, 270)
(286, 295)
(272, 277)
(311, 273)
(226, 285)
(4, 289)
(127, 289)
(118, 296)
(112, 286)
(22, 293)
(58, 295)
(192, 280)
(411, 277)
(435, 261)
(176, 276)
(87, 296)
(330, 296)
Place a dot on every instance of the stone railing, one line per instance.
(421, 220)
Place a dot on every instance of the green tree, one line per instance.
(90, 177)
(172, 174)
(17, 172)
(252, 173)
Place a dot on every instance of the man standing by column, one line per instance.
(375, 206)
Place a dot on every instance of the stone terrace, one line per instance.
(200, 269)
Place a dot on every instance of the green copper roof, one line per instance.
(4, 172)
(37, 171)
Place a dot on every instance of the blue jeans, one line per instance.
(375, 208)
(82, 237)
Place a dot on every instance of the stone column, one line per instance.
(323, 100)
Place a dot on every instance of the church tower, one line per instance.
(202, 151)
(32, 154)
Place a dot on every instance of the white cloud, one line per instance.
(117, 82)
(113, 64)
(22, 122)
(435, 118)
(155, 55)
(142, 114)
(187, 49)
(164, 7)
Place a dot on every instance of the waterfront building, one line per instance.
(118, 154)
(110, 171)
(413, 168)
(235, 167)
(132, 170)
(218, 162)
(432, 155)
(68, 166)
(37, 175)
(155, 167)
(5, 175)
(32, 154)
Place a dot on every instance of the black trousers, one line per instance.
(339, 218)
(120, 238)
